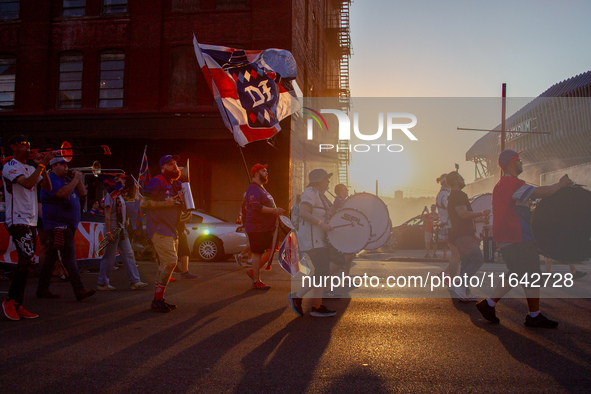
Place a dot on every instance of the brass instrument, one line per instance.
(105, 241)
(95, 169)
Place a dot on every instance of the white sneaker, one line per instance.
(138, 285)
(106, 288)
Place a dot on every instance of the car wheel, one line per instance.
(393, 241)
(208, 249)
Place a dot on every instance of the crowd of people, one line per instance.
(451, 217)
(58, 203)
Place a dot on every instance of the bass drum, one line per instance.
(351, 230)
(481, 202)
(374, 209)
(380, 241)
(561, 225)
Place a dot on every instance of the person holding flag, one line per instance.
(116, 234)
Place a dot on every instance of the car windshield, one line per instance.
(414, 222)
(202, 217)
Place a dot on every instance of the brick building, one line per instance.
(123, 73)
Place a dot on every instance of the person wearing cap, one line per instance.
(22, 213)
(61, 216)
(260, 222)
(118, 238)
(315, 210)
(512, 230)
(163, 199)
(462, 233)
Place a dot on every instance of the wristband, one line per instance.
(319, 223)
(41, 165)
(108, 232)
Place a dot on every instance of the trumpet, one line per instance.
(105, 241)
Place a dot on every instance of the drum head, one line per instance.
(378, 243)
(286, 223)
(561, 225)
(480, 203)
(374, 209)
(351, 230)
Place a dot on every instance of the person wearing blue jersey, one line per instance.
(61, 216)
(163, 199)
(260, 222)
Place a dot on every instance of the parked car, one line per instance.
(212, 239)
(410, 235)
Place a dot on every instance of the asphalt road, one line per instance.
(225, 337)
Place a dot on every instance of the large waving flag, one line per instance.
(253, 89)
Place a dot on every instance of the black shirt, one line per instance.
(459, 227)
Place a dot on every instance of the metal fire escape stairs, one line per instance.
(344, 37)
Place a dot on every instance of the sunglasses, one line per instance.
(24, 143)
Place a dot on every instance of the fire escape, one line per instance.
(339, 37)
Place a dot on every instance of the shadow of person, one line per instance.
(288, 359)
(356, 378)
(119, 367)
(553, 353)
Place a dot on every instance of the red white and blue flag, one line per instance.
(290, 258)
(253, 89)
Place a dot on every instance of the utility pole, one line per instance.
(504, 102)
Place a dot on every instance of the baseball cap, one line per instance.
(15, 139)
(256, 168)
(166, 158)
(318, 174)
(56, 160)
(507, 156)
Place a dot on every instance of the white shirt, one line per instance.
(21, 203)
(441, 201)
(310, 236)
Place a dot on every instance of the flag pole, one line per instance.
(245, 165)
(144, 155)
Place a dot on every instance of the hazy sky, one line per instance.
(459, 49)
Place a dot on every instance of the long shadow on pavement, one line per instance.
(572, 375)
(306, 337)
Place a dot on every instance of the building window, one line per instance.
(182, 89)
(229, 4)
(70, 85)
(114, 6)
(111, 80)
(9, 9)
(185, 5)
(7, 82)
(73, 8)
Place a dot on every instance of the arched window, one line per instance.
(70, 81)
(112, 70)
